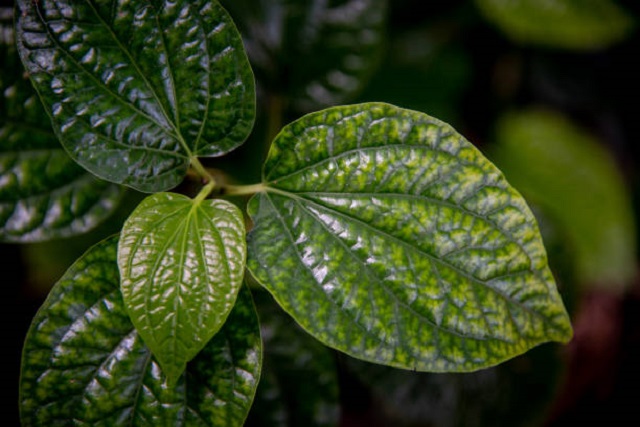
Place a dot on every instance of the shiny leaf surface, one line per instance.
(569, 24)
(388, 236)
(84, 364)
(313, 53)
(579, 187)
(137, 88)
(182, 263)
(43, 193)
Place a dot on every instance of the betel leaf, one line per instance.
(388, 236)
(312, 53)
(568, 24)
(136, 89)
(182, 263)
(43, 193)
(84, 364)
(579, 187)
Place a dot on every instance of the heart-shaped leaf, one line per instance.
(598, 223)
(388, 236)
(569, 24)
(136, 89)
(43, 193)
(84, 364)
(313, 53)
(182, 263)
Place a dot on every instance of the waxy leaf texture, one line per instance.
(135, 89)
(84, 363)
(43, 193)
(388, 236)
(182, 264)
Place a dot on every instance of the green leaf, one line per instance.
(182, 263)
(579, 187)
(43, 193)
(136, 89)
(568, 24)
(84, 364)
(314, 53)
(292, 362)
(388, 236)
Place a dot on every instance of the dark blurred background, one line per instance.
(549, 91)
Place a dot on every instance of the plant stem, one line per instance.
(242, 190)
(202, 171)
(204, 193)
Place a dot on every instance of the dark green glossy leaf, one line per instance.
(43, 193)
(84, 364)
(182, 263)
(136, 89)
(314, 53)
(388, 236)
(579, 187)
(299, 384)
(569, 24)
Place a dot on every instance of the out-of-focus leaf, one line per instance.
(84, 364)
(314, 53)
(517, 393)
(135, 90)
(43, 193)
(182, 263)
(569, 24)
(564, 170)
(388, 236)
(299, 384)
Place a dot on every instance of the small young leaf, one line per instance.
(43, 193)
(135, 89)
(313, 53)
(568, 24)
(182, 263)
(599, 223)
(388, 236)
(84, 364)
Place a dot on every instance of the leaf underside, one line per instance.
(84, 364)
(43, 193)
(388, 236)
(182, 263)
(135, 89)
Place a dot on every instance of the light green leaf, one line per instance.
(136, 89)
(565, 171)
(43, 193)
(182, 263)
(568, 24)
(84, 364)
(388, 236)
(312, 53)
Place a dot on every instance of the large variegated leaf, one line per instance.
(182, 263)
(388, 236)
(135, 89)
(84, 364)
(43, 193)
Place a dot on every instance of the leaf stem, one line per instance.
(242, 190)
(201, 171)
(204, 193)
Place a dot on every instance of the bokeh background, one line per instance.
(548, 90)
